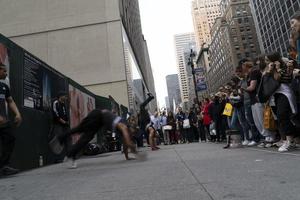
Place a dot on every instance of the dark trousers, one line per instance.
(7, 143)
(86, 136)
(183, 134)
(202, 131)
(84, 139)
(195, 134)
(173, 137)
(189, 134)
(207, 132)
(284, 113)
(219, 128)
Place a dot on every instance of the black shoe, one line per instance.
(7, 171)
(226, 147)
(150, 96)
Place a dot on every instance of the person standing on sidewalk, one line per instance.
(207, 119)
(6, 137)
(172, 123)
(60, 120)
(163, 125)
(247, 84)
(180, 116)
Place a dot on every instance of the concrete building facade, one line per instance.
(204, 13)
(233, 38)
(183, 44)
(272, 23)
(85, 41)
(173, 88)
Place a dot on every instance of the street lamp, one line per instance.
(191, 63)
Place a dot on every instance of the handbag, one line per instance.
(269, 121)
(228, 110)
(212, 129)
(167, 128)
(268, 85)
(186, 123)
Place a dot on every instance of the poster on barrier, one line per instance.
(4, 59)
(41, 84)
(80, 105)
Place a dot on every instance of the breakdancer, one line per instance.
(146, 124)
(89, 126)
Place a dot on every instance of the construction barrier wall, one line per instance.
(34, 86)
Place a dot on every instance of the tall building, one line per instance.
(167, 103)
(98, 43)
(204, 13)
(233, 38)
(183, 44)
(272, 23)
(173, 91)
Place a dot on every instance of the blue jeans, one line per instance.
(234, 120)
(243, 122)
(236, 123)
(255, 136)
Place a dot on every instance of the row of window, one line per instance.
(273, 21)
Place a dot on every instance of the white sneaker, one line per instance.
(287, 145)
(73, 164)
(252, 143)
(245, 143)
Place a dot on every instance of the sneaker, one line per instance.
(287, 145)
(73, 164)
(245, 143)
(261, 145)
(278, 144)
(7, 171)
(252, 143)
(269, 145)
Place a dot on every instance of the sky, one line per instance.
(161, 20)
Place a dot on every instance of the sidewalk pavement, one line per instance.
(198, 171)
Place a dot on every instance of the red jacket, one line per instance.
(206, 117)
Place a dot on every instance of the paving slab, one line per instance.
(176, 172)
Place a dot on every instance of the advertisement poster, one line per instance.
(80, 105)
(4, 59)
(41, 85)
(200, 79)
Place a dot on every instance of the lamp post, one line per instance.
(191, 63)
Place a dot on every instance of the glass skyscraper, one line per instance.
(272, 23)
